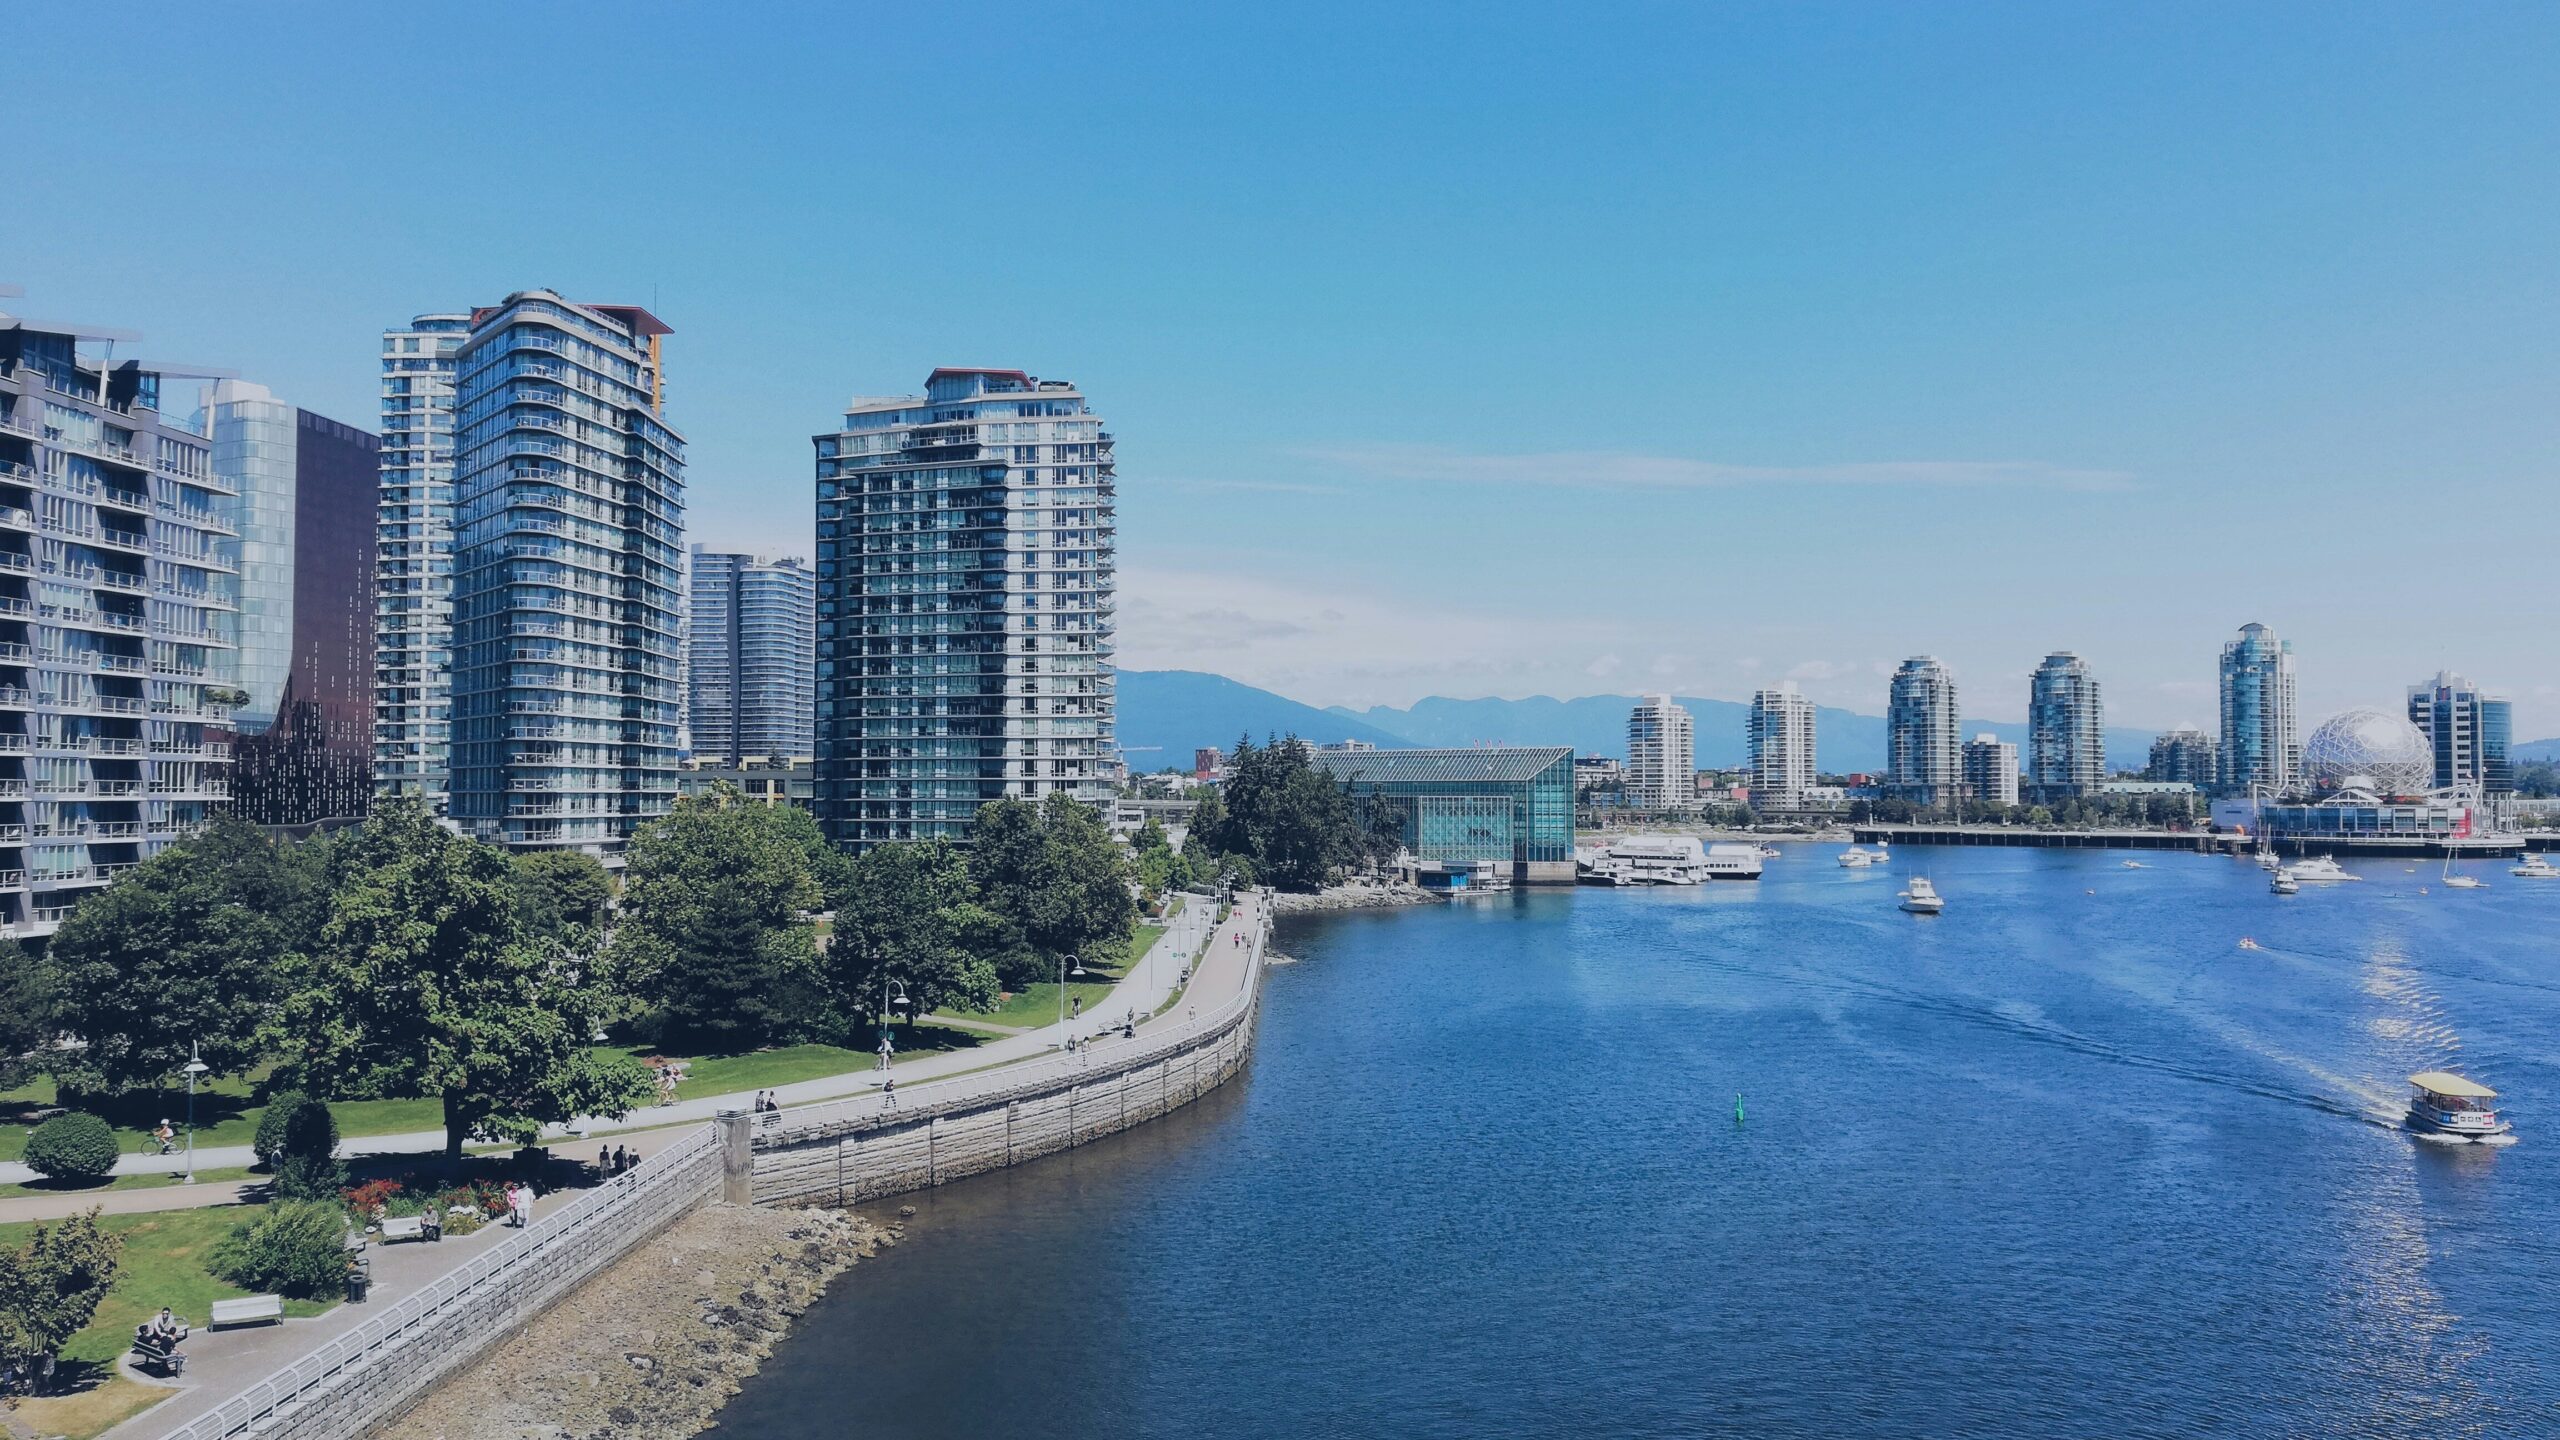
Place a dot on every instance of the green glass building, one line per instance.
(1459, 807)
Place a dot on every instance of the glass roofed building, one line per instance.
(1461, 807)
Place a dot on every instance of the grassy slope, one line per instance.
(1037, 1004)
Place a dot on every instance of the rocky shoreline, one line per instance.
(654, 1346)
(1354, 897)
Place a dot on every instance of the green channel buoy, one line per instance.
(1737, 1107)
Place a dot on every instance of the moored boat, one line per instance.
(2534, 867)
(2320, 870)
(1857, 859)
(2454, 1106)
(2285, 884)
(1922, 898)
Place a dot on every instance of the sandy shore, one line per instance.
(651, 1348)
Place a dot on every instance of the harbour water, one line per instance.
(2063, 1161)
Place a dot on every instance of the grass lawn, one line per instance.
(1037, 1004)
(123, 1182)
(163, 1264)
(224, 1115)
(787, 1064)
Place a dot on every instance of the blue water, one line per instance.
(2063, 1161)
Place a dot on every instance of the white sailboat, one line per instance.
(2460, 882)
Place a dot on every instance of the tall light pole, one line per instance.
(888, 987)
(1062, 989)
(195, 1067)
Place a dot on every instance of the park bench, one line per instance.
(409, 1227)
(165, 1361)
(248, 1310)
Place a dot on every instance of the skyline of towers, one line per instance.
(1781, 734)
(1923, 762)
(1662, 754)
(2066, 729)
(966, 595)
(2260, 744)
(568, 527)
(751, 653)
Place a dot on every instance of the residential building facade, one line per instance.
(2182, 757)
(2470, 731)
(119, 622)
(2066, 729)
(1782, 737)
(2261, 746)
(1924, 764)
(413, 562)
(1662, 754)
(752, 665)
(966, 591)
(1991, 770)
(568, 532)
(307, 517)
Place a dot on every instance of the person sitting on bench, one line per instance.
(169, 1328)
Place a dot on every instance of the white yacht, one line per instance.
(1922, 898)
(2320, 870)
(2455, 1107)
(1857, 859)
(2534, 867)
(2284, 883)
(1666, 860)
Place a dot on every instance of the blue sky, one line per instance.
(1482, 350)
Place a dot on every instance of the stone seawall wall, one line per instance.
(852, 1160)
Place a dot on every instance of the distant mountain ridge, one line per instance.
(2547, 751)
(1165, 714)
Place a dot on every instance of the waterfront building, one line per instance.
(1923, 764)
(751, 647)
(2182, 756)
(1782, 735)
(1206, 762)
(793, 782)
(1456, 808)
(966, 562)
(306, 513)
(119, 621)
(2260, 746)
(568, 523)
(1661, 754)
(1991, 770)
(413, 562)
(2066, 729)
(2470, 734)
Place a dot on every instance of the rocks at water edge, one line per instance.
(1355, 897)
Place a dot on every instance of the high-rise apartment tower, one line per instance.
(966, 546)
(1923, 763)
(2471, 733)
(1662, 754)
(1781, 732)
(1991, 770)
(2182, 756)
(2066, 729)
(751, 648)
(413, 562)
(2261, 746)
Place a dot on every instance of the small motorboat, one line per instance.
(2534, 867)
(1769, 852)
(2320, 870)
(2285, 883)
(2454, 1106)
(1854, 858)
(2248, 944)
(1922, 898)
(2135, 865)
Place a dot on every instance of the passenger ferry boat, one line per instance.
(2534, 867)
(1665, 860)
(2320, 870)
(1922, 898)
(2449, 1105)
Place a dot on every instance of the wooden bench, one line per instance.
(409, 1227)
(248, 1310)
(166, 1362)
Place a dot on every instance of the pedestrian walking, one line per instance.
(524, 1206)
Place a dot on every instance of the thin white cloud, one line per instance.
(1619, 470)
(1602, 668)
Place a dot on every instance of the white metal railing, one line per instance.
(454, 1318)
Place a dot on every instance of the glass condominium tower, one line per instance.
(965, 569)
(413, 562)
(751, 657)
(2260, 745)
(119, 616)
(1781, 733)
(1925, 765)
(568, 534)
(2066, 729)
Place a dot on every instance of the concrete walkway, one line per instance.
(1146, 986)
(220, 1365)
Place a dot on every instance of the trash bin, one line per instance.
(359, 1280)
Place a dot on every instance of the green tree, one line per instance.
(74, 1145)
(1055, 879)
(557, 889)
(715, 931)
(1160, 867)
(1294, 822)
(184, 950)
(304, 1157)
(29, 1015)
(912, 916)
(423, 983)
(51, 1286)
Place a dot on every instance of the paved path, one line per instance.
(1146, 986)
(222, 1364)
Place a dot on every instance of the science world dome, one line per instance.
(2369, 748)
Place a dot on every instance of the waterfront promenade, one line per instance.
(222, 1365)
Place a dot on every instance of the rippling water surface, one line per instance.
(2064, 1160)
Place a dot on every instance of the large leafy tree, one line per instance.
(185, 949)
(423, 982)
(557, 889)
(28, 1015)
(51, 1286)
(911, 915)
(714, 930)
(1056, 879)
(1293, 822)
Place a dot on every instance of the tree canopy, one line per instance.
(1055, 879)
(557, 889)
(912, 916)
(1291, 822)
(50, 1287)
(714, 931)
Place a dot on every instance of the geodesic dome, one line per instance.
(2369, 748)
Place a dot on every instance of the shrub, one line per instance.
(73, 1146)
(298, 1248)
(464, 1223)
(372, 1199)
(305, 1164)
(270, 1141)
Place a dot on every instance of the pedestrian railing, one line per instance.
(362, 1377)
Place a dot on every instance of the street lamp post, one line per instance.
(195, 1067)
(888, 988)
(1062, 988)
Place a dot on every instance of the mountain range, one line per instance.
(1165, 714)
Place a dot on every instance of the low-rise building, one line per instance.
(1991, 770)
(793, 782)
(1456, 808)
